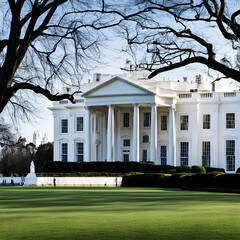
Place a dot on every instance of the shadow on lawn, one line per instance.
(73, 199)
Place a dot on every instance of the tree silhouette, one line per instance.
(182, 32)
(45, 41)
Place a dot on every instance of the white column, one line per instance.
(71, 143)
(104, 145)
(88, 135)
(171, 137)
(93, 136)
(118, 141)
(136, 133)
(153, 143)
(57, 144)
(194, 152)
(110, 134)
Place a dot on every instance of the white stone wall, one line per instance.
(81, 181)
(17, 180)
(71, 181)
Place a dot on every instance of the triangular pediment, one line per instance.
(117, 86)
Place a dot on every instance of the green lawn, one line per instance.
(117, 213)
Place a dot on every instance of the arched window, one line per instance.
(145, 139)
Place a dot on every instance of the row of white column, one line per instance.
(153, 139)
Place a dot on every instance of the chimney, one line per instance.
(128, 65)
(96, 77)
(185, 79)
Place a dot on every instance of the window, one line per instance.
(230, 155)
(64, 154)
(146, 119)
(163, 155)
(184, 153)
(206, 154)
(79, 151)
(126, 157)
(163, 123)
(144, 155)
(64, 126)
(145, 139)
(206, 121)
(126, 142)
(125, 119)
(79, 123)
(230, 120)
(184, 122)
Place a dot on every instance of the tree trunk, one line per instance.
(5, 93)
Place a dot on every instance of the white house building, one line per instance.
(131, 118)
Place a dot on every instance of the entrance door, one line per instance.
(144, 155)
(126, 157)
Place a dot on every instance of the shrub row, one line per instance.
(115, 167)
(121, 167)
(154, 180)
(202, 180)
(211, 169)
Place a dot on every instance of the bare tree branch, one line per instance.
(173, 36)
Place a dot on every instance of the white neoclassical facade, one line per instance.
(131, 118)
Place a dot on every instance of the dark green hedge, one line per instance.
(143, 180)
(115, 167)
(228, 181)
(176, 180)
(118, 167)
(211, 169)
(202, 180)
(198, 169)
(154, 180)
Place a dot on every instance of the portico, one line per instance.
(129, 124)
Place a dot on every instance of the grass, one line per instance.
(117, 213)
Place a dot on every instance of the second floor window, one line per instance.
(146, 119)
(64, 126)
(206, 121)
(230, 120)
(145, 139)
(126, 142)
(79, 123)
(125, 119)
(184, 122)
